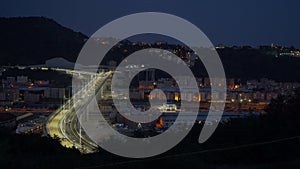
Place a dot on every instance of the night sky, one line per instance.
(239, 22)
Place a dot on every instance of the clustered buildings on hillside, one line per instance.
(262, 90)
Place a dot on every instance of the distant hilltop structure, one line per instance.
(59, 63)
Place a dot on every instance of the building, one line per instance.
(54, 92)
(11, 79)
(22, 79)
(230, 83)
(32, 95)
(12, 94)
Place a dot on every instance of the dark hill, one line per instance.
(255, 64)
(32, 40)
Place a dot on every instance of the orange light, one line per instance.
(30, 85)
(160, 123)
(176, 97)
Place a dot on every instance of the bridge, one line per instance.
(64, 124)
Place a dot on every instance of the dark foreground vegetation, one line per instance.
(268, 141)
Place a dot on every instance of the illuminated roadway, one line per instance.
(63, 123)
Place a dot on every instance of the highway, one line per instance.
(63, 123)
